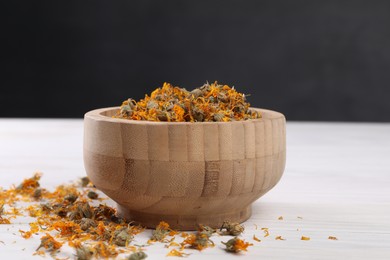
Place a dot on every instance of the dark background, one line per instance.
(311, 60)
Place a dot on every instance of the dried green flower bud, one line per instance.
(85, 210)
(230, 245)
(122, 237)
(92, 195)
(85, 181)
(218, 117)
(61, 210)
(197, 114)
(162, 116)
(71, 198)
(207, 230)
(37, 193)
(233, 229)
(138, 256)
(196, 92)
(152, 104)
(222, 97)
(86, 223)
(84, 253)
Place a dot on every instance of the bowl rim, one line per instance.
(97, 114)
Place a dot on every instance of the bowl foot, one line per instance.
(184, 222)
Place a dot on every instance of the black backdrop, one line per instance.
(311, 60)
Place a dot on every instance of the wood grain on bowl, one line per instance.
(184, 173)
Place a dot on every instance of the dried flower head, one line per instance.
(198, 241)
(49, 243)
(71, 197)
(122, 237)
(84, 253)
(92, 195)
(138, 256)
(236, 245)
(85, 181)
(231, 228)
(206, 230)
(161, 232)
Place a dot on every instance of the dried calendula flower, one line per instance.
(138, 256)
(92, 195)
(198, 241)
(84, 253)
(61, 210)
(236, 245)
(71, 197)
(211, 102)
(37, 193)
(161, 231)
(231, 228)
(122, 237)
(85, 181)
(49, 243)
(86, 223)
(207, 230)
(332, 238)
(305, 238)
(31, 183)
(85, 210)
(279, 238)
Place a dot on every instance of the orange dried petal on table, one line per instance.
(279, 238)
(177, 253)
(266, 232)
(256, 239)
(332, 238)
(305, 238)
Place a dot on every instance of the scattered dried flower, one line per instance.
(92, 195)
(236, 245)
(138, 256)
(49, 243)
(162, 230)
(85, 181)
(232, 229)
(198, 241)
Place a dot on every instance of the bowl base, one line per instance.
(184, 222)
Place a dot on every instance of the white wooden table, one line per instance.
(336, 183)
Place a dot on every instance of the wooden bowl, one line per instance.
(184, 173)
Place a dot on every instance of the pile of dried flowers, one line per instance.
(209, 103)
(73, 215)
